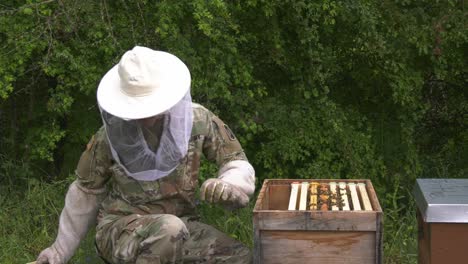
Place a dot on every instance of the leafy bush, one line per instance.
(313, 89)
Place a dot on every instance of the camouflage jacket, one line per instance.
(173, 194)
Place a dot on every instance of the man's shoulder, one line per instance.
(100, 135)
(200, 113)
(201, 119)
(199, 108)
(100, 138)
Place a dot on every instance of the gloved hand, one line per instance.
(219, 191)
(51, 256)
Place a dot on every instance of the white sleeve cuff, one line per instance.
(240, 174)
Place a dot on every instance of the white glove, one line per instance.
(218, 191)
(232, 188)
(49, 255)
(78, 214)
(240, 174)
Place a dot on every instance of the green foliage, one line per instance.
(29, 219)
(238, 224)
(400, 226)
(313, 89)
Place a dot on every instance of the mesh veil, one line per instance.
(150, 153)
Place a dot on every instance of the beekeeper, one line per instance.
(140, 172)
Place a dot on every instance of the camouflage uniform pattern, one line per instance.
(149, 221)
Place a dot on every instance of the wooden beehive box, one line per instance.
(442, 220)
(314, 236)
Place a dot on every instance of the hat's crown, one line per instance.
(138, 71)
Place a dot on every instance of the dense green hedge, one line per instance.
(314, 89)
(368, 89)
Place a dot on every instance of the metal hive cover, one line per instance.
(442, 200)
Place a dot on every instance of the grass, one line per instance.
(29, 212)
(400, 236)
(29, 220)
(28, 224)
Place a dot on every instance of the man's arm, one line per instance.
(78, 214)
(81, 202)
(236, 177)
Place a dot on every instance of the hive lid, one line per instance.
(442, 200)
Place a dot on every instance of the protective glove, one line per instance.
(240, 174)
(219, 191)
(232, 188)
(50, 255)
(78, 214)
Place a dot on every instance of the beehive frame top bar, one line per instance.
(442, 200)
(275, 182)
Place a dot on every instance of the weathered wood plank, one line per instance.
(317, 220)
(365, 198)
(257, 257)
(278, 197)
(373, 196)
(259, 204)
(272, 220)
(379, 237)
(354, 196)
(320, 247)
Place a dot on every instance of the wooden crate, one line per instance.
(441, 243)
(442, 220)
(311, 236)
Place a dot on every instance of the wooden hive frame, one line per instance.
(297, 236)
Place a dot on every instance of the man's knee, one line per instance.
(158, 237)
(170, 227)
(163, 241)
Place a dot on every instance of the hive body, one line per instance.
(330, 230)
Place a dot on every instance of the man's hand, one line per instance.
(49, 256)
(219, 191)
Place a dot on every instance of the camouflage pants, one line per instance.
(165, 238)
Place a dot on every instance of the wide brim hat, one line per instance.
(145, 83)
